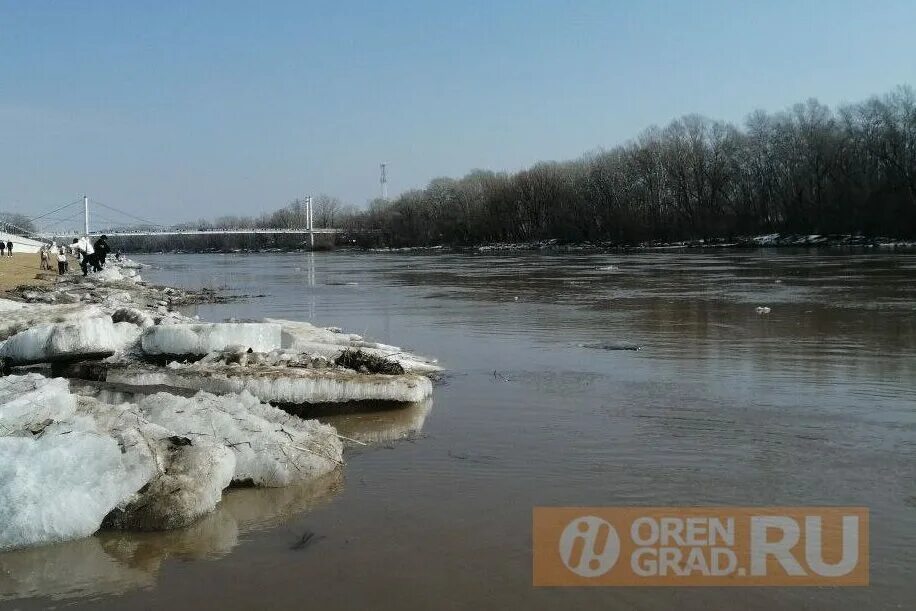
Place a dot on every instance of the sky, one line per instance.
(175, 111)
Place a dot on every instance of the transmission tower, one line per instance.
(383, 180)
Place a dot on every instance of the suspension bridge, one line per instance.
(64, 222)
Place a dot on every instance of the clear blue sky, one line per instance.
(180, 110)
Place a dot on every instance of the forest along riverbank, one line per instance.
(200, 412)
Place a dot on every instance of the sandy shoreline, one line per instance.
(23, 269)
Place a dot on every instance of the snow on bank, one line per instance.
(113, 272)
(202, 338)
(289, 385)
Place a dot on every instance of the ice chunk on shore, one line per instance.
(272, 448)
(184, 479)
(33, 398)
(305, 337)
(16, 316)
(201, 338)
(61, 484)
(71, 464)
(280, 385)
(69, 341)
(59, 476)
(189, 486)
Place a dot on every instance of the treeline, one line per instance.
(806, 170)
(16, 223)
(327, 211)
(216, 242)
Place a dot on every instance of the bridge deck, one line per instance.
(192, 232)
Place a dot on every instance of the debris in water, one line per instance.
(364, 362)
(304, 541)
(612, 346)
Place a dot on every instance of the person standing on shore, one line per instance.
(45, 258)
(83, 250)
(62, 264)
(9, 248)
(101, 251)
(2, 248)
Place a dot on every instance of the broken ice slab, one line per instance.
(32, 398)
(72, 463)
(188, 479)
(59, 476)
(202, 338)
(304, 337)
(283, 385)
(16, 316)
(272, 448)
(69, 341)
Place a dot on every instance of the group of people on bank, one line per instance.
(6, 247)
(90, 256)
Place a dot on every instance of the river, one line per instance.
(544, 404)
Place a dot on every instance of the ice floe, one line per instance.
(286, 385)
(201, 338)
(67, 341)
(272, 447)
(16, 316)
(305, 337)
(71, 464)
(59, 477)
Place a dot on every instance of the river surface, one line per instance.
(811, 404)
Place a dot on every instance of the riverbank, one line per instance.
(24, 269)
(774, 240)
(155, 413)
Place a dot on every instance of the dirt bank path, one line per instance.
(22, 268)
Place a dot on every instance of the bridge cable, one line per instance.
(55, 210)
(59, 221)
(133, 216)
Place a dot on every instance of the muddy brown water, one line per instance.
(546, 403)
